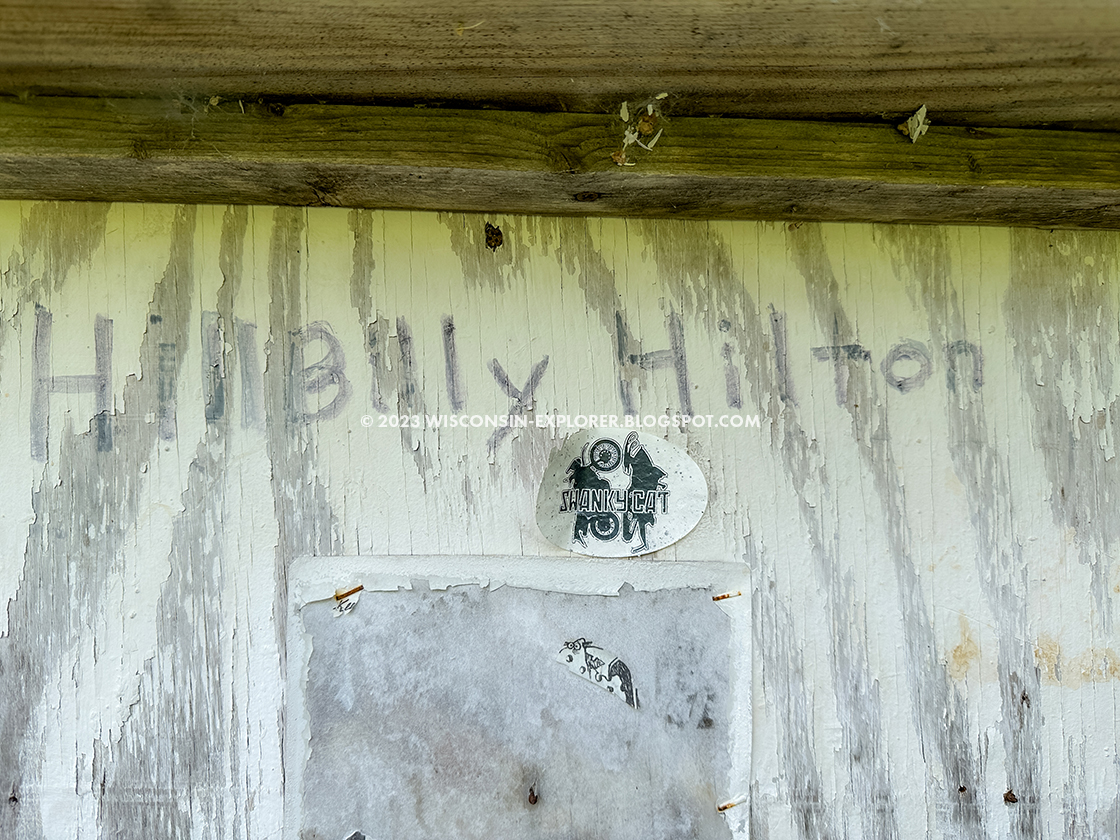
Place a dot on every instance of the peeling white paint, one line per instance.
(922, 524)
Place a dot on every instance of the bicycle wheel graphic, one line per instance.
(606, 455)
(605, 527)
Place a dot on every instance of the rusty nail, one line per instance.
(726, 595)
(1010, 798)
(587, 196)
(339, 595)
(731, 803)
(533, 795)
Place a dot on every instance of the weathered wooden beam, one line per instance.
(1028, 62)
(237, 152)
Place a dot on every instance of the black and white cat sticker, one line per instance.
(619, 493)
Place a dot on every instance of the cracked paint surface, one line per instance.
(193, 397)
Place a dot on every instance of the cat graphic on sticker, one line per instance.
(587, 660)
(604, 507)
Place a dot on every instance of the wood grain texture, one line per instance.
(1027, 62)
(927, 517)
(525, 162)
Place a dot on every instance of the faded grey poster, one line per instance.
(515, 713)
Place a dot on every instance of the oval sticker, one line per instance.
(619, 493)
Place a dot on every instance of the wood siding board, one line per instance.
(933, 573)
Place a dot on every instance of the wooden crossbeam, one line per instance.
(973, 62)
(233, 151)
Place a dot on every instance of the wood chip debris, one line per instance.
(916, 125)
(461, 27)
(642, 127)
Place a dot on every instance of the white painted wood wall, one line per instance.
(927, 509)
